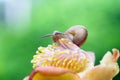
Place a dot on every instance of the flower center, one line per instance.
(56, 56)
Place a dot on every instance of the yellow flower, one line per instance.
(64, 60)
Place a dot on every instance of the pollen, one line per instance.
(55, 56)
(70, 43)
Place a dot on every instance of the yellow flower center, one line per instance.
(55, 56)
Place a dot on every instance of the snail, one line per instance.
(77, 34)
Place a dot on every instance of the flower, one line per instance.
(64, 60)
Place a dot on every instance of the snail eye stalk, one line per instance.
(47, 35)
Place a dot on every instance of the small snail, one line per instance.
(77, 34)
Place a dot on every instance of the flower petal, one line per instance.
(53, 73)
(107, 69)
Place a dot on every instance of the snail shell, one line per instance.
(77, 34)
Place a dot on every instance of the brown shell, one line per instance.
(77, 34)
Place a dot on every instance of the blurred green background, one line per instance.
(23, 22)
